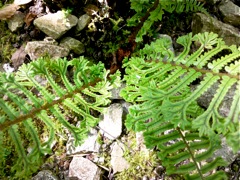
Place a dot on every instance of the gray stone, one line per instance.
(118, 162)
(225, 106)
(116, 92)
(46, 175)
(83, 21)
(225, 152)
(74, 45)
(230, 12)
(203, 23)
(89, 145)
(83, 169)
(111, 125)
(36, 49)
(55, 25)
(16, 21)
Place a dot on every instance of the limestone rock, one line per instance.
(45, 174)
(118, 162)
(116, 92)
(83, 169)
(55, 25)
(202, 23)
(111, 124)
(83, 21)
(16, 21)
(74, 45)
(89, 145)
(36, 49)
(230, 12)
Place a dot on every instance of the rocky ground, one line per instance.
(97, 30)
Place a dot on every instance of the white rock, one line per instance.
(8, 68)
(83, 169)
(116, 92)
(118, 162)
(55, 25)
(111, 125)
(89, 145)
(140, 142)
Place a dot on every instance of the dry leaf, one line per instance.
(29, 18)
(18, 57)
(8, 11)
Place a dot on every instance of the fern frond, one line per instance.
(144, 7)
(160, 84)
(27, 102)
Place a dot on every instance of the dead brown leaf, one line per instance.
(8, 11)
(29, 18)
(18, 57)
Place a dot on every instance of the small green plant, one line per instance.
(166, 109)
(28, 106)
(142, 161)
(150, 11)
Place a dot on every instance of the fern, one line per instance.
(25, 101)
(165, 106)
(150, 11)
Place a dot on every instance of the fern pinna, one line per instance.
(40, 97)
(158, 82)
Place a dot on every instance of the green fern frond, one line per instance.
(143, 7)
(160, 85)
(42, 93)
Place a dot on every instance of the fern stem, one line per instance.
(46, 106)
(203, 71)
(142, 20)
(190, 152)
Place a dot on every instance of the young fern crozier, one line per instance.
(165, 106)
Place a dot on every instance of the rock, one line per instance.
(7, 68)
(225, 106)
(230, 12)
(83, 169)
(202, 23)
(74, 45)
(170, 47)
(225, 152)
(111, 125)
(140, 142)
(16, 21)
(55, 25)
(116, 92)
(89, 145)
(118, 162)
(83, 21)
(45, 174)
(36, 49)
